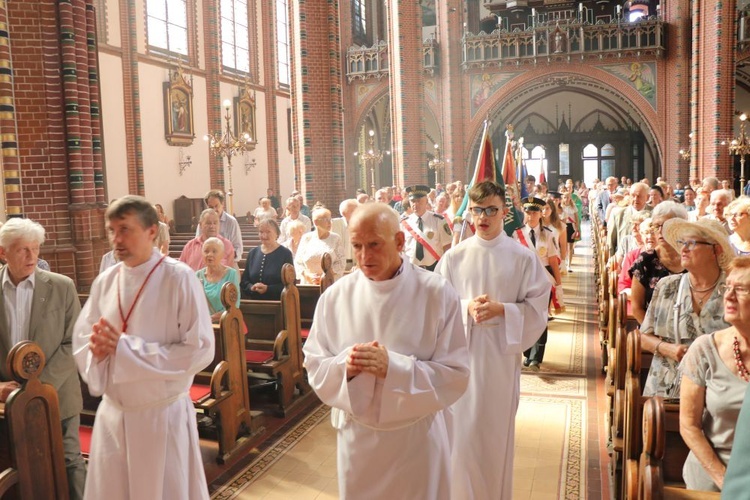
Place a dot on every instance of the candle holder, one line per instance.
(740, 146)
(227, 145)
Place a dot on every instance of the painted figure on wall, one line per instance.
(179, 112)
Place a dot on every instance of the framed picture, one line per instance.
(178, 110)
(244, 115)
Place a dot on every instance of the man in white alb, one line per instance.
(141, 337)
(504, 294)
(388, 373)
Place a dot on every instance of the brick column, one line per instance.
(316, 99)
(270, 84)
(407, 92)
(714, 38)
(131, 97)
(677, 95)
(55, 92)
(8, 126)
(214, 109)
(450, 26)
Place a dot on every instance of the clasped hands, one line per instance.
(103, 341)
(260, 288)
(481, 308)
(370, 357)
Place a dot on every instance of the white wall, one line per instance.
(113, 113)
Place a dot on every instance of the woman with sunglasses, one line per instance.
(714, 383)
(685, 306)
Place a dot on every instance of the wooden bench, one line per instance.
(274, 342)
(32, 458)
(221, 392)
(664, 453)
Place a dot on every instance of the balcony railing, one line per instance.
(372, 62)
(367, 62)
(548, 42)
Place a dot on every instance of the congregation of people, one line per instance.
(682, 257)
(406, 379)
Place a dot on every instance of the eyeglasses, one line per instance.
(690, 244)
(740, 291)
(488, 211)
(734, 215)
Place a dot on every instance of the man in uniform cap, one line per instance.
(427, 234)
(540, 239)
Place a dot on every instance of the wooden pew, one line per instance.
(274, 342)
(664, 453)
(309, 295)
(221, 392)
(32, 458)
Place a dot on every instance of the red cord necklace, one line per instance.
(124, 318)
(738, 360)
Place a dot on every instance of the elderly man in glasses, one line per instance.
(504, 292)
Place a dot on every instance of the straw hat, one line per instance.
(710, 230)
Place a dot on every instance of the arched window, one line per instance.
(167, 26)
(235, 35)
(598, 163)
(535, 161)
(282, 42)
(359, 18)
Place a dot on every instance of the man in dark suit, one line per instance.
(42, 307)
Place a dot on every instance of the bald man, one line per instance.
(388, 379)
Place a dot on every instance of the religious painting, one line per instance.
(244, 113)
(640, 75)
(178, 110)
(483, 86)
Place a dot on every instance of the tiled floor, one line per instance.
(553, 457)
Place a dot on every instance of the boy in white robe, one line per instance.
(142, 335)
(504, 295)
(387, 350)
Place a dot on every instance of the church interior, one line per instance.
(167, 99)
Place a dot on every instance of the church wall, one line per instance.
(113, 23)
(113, 111)
(162, 181)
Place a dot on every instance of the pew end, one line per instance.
(222, 394)
(32, 460)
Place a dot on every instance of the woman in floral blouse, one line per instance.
(688, 305)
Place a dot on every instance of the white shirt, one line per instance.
(18, 306)
(436, 232)
(300, 217)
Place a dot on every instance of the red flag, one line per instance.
(542, 177)
(509, 163)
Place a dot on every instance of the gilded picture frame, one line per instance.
(179, 129)
(244, 115)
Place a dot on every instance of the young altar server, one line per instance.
(388, 372)
(141, 337)
(504, 294)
